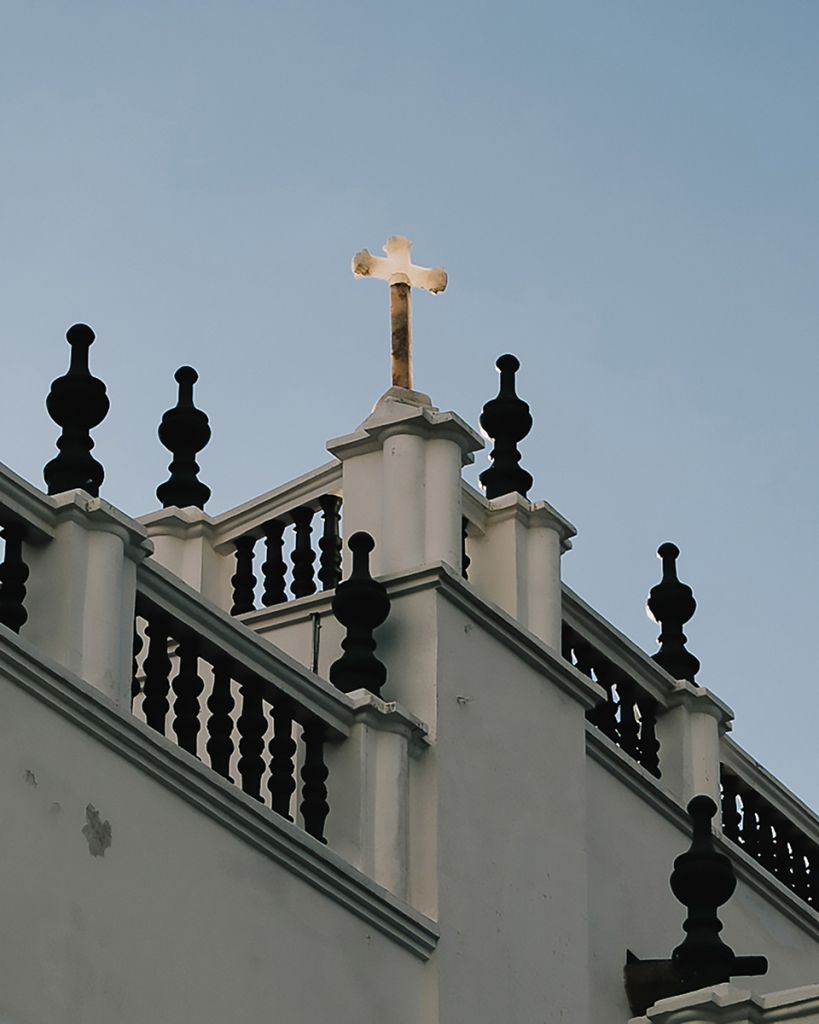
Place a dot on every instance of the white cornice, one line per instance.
(97, 514)
(406, 418)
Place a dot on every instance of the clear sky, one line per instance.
(625, 195)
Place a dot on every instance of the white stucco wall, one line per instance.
(510, 817)
(178, 920)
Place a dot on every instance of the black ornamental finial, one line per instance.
(702, 880)
(506, 419)
(184, 431)
(360, 604)
(671, 604)
(76, 402)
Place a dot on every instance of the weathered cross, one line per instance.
(397, 268)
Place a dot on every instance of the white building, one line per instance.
(490, 852)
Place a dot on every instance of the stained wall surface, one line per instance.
(145, 909)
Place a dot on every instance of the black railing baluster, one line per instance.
(157, 670)
(466, 561)
(282, 781)
(767, 845)
(750, 822)
(314, 806)
(244, 582)
(604, 716)
(220, 723)
(252, 725)
(137, 645)
(13, 576)
(811, 853)
(730, 812)
(782, 852)
(567, 642)
(649, 756)
(187, 687)
(628, 715)
(628, 726)
(303, 555)
(330, 542)
(274, 569)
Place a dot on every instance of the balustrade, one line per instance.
(628, 715)
(765, 833)
(293, 530)
(254, 733)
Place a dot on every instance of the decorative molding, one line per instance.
(183, 523)
(482, 512)
(183, 774)
(393, 418)
(390, 716)
(92, 513)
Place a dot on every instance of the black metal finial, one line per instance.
(671, 604)
(702, 880)
(506, 419)
(360, 604)
(76, 402)
(184, 431)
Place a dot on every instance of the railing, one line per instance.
(229, 698)
(766, 821)
(26, 516)
(634, 685)
(294, 563)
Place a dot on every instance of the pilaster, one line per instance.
(82, 592)
(515, 562)
(402, 481)
(689, 730)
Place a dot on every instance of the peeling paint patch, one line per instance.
(96, 831)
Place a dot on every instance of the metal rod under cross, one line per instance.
(401, 273)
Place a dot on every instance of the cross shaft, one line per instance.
(398, 270)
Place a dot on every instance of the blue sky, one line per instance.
(625, 195)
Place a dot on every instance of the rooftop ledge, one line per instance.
(726, 1003)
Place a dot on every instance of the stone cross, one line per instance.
(398, 270)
